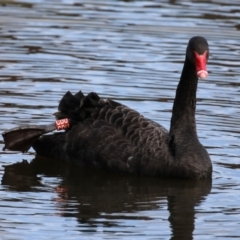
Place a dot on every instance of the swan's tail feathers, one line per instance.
(72, 109)
(78, 106)
(69, 105)
(22, 138)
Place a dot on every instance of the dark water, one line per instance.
(131, 51)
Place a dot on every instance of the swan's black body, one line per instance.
(114, 137)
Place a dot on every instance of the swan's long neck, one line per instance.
(183, 112)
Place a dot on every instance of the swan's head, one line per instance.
(197, 53)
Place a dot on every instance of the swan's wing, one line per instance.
(108, 135)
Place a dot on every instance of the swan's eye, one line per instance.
(207, 54)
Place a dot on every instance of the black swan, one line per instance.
(107, 135)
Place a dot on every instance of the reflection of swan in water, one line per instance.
(99, 193)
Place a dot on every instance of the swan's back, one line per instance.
(107, 135)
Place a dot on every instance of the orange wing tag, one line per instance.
(62, 124)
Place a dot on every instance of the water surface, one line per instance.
(131, 51)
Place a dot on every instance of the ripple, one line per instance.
(131, 51)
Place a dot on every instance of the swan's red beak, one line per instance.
(201, 64)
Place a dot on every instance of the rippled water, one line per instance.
(131, 51)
